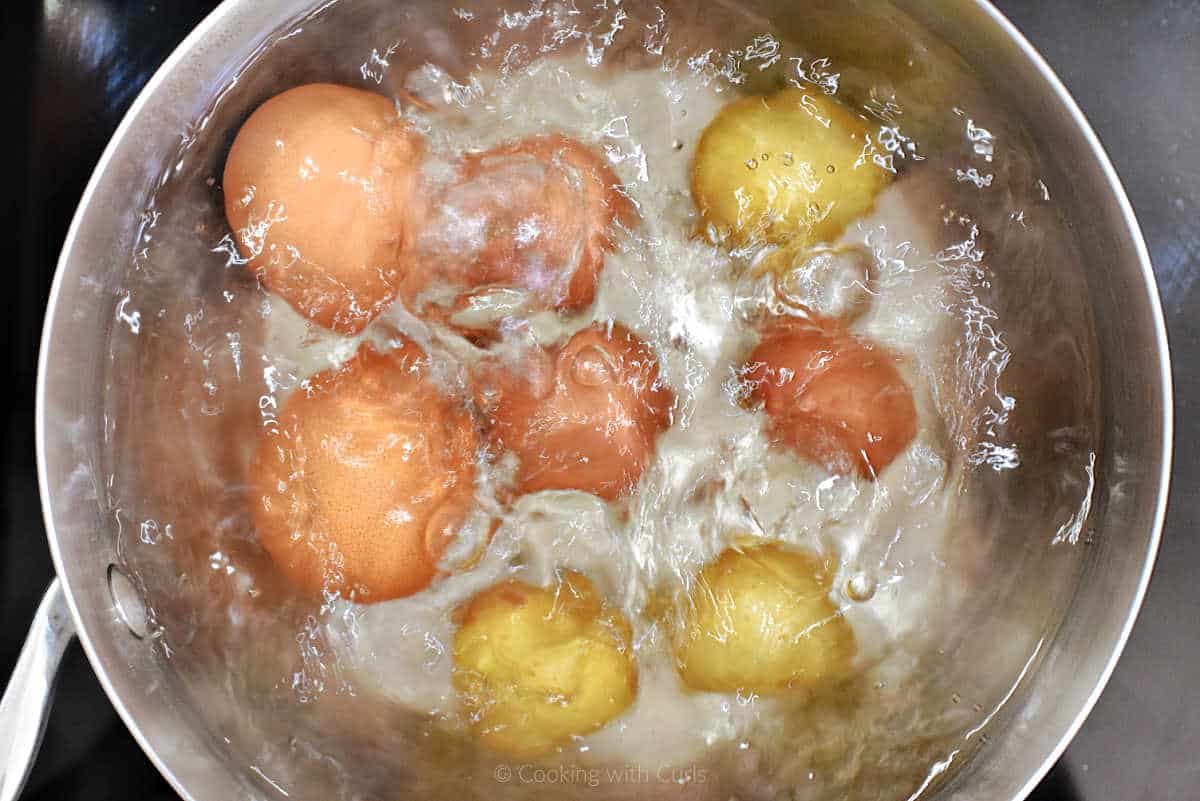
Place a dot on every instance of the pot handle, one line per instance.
(26, 703)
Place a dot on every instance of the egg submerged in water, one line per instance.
(321, 193)
(527, 223)
(831, 397)
(584, 416)
(368, 478)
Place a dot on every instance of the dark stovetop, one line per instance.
(73, 67)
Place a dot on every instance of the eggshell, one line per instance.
(536, 215)
(367, 479)
(584, 416)
(321, 193)
(831, 397)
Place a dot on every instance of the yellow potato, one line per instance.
(760, 620)
(534, 667)
(793, 168)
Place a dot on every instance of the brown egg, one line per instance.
(535, 215)
(584, 416)
(368, 479)
(831, 397)
(321, 193)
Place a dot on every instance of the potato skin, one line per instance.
(759, 619)
(769, 170)
(369, 475)
(831, 397)
(537, 666)
(321, 193)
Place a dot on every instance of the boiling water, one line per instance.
(952, 568)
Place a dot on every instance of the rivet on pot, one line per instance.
(127, 600)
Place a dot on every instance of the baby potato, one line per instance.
(831, 397)
(760, 620)
(536, 666)
(784, 169)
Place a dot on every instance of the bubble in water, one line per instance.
(592, 367)
(835, 282)
(860, 587)
(751, 164)
(151, 533)
(443, 525)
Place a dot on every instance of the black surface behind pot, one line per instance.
(74, 66)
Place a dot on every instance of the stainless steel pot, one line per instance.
(91, 600)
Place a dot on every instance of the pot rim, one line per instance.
(1132, 232)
